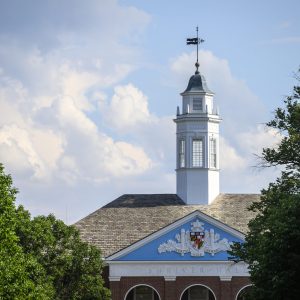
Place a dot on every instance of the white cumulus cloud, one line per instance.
(127, 108)
(230, 160)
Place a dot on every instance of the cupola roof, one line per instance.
(197, 83)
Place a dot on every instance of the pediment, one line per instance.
(197, 236)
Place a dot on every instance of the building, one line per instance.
(174, 246)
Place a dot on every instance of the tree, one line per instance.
(272, 245)
(43, 258)
(73, 266)
(21, 276)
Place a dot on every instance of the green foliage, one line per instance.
(21, 276)
(73, 266)
(43, 258)
(272, 246)
(286, 120)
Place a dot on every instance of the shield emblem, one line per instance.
(197, 239)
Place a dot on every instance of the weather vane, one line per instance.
(195, 41)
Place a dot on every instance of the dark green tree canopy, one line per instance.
(272, 245)
(21, 276)
(43, 258)
(287, 121)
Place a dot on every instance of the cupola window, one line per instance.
(213, 152)
(197, 153)
(197, 103)
(182, 154)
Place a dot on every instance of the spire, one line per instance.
(197, 140)
(195, 41)
(197, 82)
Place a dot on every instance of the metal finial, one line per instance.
(195, 41)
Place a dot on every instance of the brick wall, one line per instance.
(173, 289)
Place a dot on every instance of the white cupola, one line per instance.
(197, 130)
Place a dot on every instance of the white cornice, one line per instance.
(195, 117)
(170, 262)
(197, 93)
(225, 270)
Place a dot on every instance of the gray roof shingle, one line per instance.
(145, 200)
(130, 218)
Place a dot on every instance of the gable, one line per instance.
(194, 237)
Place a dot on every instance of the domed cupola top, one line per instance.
(197, 83)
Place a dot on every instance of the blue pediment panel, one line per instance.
(195, 237)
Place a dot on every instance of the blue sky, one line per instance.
(88, 91)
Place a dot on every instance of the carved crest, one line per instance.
(197, 241)
(197, 234)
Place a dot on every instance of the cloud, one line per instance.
(241, 165)
(30, 150)
(69, 24)
(68, 136)
(74, 132)
(127, 113)
(230, 160)
(51, 90)
(128, 108)
(37, 39)
(137, 161)
(59, 66)
(257, 138)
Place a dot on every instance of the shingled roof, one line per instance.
(132, 217)
(145, 200)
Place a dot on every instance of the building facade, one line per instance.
(174, 246)
(185, 260)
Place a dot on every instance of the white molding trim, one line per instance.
(223, 270)
(114, 278)
(172, 226)
(225, 278)
(171, 262)
(170, 278)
